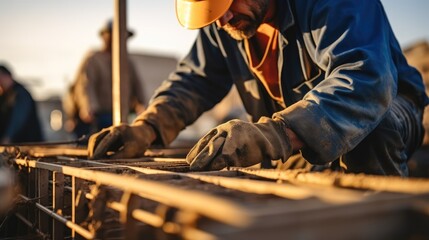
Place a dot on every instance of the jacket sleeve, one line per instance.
(350, 41)
(200, 81)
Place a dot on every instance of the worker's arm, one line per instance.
(352, 43)
(200, 81)
(295, 142)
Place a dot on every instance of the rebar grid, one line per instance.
(158, 198)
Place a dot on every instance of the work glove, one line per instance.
(122, 141)
(241, 144)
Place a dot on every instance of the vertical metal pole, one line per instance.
(119, 60)
(74, 196)
(57, 204)
(77, 215)
(43, 199)
(32, 193)
(78, 212)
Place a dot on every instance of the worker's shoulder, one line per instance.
(21, 91)
(316, 5)
(96, 57)
(93, 53)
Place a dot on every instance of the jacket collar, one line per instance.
(285, 15)
(283, 8)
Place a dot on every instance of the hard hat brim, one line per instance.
(194, 14)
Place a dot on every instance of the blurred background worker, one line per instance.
(325, 81)
(19, 121)
(88, 104)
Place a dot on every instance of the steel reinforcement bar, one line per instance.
(186, 201)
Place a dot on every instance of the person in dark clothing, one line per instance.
(19, 121)
(325, 81)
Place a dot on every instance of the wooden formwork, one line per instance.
(63, 195)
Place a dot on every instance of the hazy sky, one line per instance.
(44, 40)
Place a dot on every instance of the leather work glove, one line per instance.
(125, 141)
(241, 144)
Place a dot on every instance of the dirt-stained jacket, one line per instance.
(340, 67)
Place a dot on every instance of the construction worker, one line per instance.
(325, 82)
(88, 103)
(19, 119)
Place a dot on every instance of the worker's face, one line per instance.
(107, 40)
(243, 18)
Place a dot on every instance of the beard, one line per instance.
(242, 26)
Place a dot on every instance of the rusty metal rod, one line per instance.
(139, 214)
(157, 221)
(284, 190)
(337, 179)
(30, 225)
(163, 193)
(193, 233)
(148, 217)
(82, 231)
(187, 232)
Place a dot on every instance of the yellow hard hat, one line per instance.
(195, 14)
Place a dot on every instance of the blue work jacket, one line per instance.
(340, 67)
(19, 118)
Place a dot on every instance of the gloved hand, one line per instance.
(125, 141)
(241, 144)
